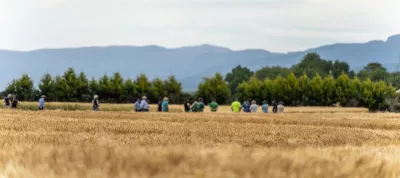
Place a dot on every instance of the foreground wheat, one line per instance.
(124, 144)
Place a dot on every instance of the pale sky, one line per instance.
(275, 25)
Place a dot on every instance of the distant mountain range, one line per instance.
(189, 64)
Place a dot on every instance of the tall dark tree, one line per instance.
(238, 75)
(173, 88)
(46, 87)
(374, 71)
(22, 88)
(214, 88)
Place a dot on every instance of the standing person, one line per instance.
(144, 106)
(275, 107)
(7, 101)
(186, 106)
(95, 103)
(14, 104)
(236, 106)
(159, 105)
(281, 107)
(137, 105)
(200, 105)
(246, 106)
(265, 106)
(214, 106)
(253, 107)
(165, 105)
(41, 103)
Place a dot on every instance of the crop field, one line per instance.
(303, 142)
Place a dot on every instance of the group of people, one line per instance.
(10, 101)
(253, 107)
(142, 105)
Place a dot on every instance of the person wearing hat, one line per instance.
(165, 105)
(200, 105)
(7, 101)
(95, 103)
(144, 106)
(265, 106)
(253, 106)
(281, 107)
(41, 103)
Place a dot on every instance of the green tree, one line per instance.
(292, 89)
(173, 89)
(340, 67)
(304, 90)
(143, 86)
(316, 88)
(238, 75)
(94, 87)
(343, 89)
(22, 88)
(66, 86)
(214, 88)
(251, 90)
(272, 72)
(105, 89)
(82, 87)
(46, 87)
(280, 90)
(158, 89)
(129, 91)
(116, 86)
(311, 65)
(329, 91)
(374, 71)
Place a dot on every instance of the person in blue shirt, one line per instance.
(144, 106)
(137, 105)
(41, 103)
(246, 106)
(265, 106)
(164, 105)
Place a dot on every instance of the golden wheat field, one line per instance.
(303, 142)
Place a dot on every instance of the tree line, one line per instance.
(311, 82)
(73, 87)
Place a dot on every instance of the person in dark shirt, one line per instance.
(7, 101)
(14, 104)
(159, 104)
(95, 103)
(275, 107)
(246, 107)
(187, 106)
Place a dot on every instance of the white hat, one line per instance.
(43, 96)
(144, 97)
(9, 95)
(95, 96)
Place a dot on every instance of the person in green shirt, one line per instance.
(236, 106)
(214, 106)
(200, 105)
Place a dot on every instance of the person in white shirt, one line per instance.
(253, 107)
(144, 106)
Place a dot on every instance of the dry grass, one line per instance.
(305, 142)
(173, 108)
